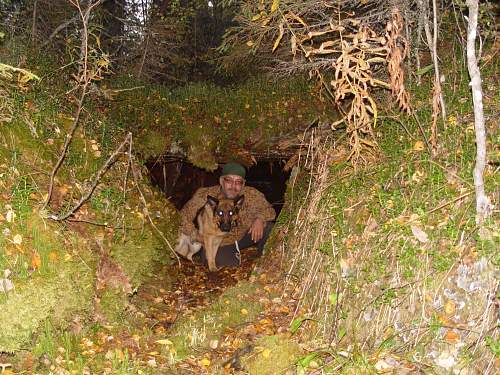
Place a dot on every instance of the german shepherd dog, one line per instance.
(214, 220)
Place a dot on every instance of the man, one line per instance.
(255, 215)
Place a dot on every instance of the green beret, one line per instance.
(233, 168)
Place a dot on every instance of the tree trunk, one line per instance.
(483, 206)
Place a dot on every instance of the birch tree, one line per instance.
(483, 206)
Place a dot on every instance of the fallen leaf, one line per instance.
(214, 344)
(418, 146)
(205, 362)
(164, 342)
(17, 239)
(10, 216)
(244, 311)
(452, 337)
(266, 353)
(419, 234)
(6, 285)
(36, 261)
(275, 5)
(450, 307)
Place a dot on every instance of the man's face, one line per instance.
(232, 185)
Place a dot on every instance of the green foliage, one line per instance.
(493, 345)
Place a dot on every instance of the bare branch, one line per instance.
(99, 175)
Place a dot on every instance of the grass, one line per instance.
(363, 236)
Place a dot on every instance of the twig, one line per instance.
(84, 78)
(417, 120)
(97, 179)
(94, 223)
(450, 202)
(67, 142)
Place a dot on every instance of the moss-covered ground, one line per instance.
(369, 270)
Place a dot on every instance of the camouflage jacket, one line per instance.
(255, 206)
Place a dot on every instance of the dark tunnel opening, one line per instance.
(179, 180)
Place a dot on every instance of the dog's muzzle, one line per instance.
(225, 227)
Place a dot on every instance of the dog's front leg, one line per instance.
(182, 247)
(211, 252)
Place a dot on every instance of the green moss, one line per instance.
(58, 296)
(232, 308)
(137, 255)
(208, 122)
(272, 355)
(112, 305)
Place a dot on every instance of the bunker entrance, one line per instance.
(179, 180)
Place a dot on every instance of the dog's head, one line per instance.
(226, 211)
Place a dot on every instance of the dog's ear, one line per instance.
(238, 201)
(212, 201)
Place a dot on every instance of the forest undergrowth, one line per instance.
(375, 269)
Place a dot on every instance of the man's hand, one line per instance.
(257, 230)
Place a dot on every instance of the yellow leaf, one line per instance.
(418, 146)
(103, 62)
(205, 362)
(250, 43)
(164, 342)
(244, 311)
(53, 256)
(266, 353)
(278, 39)
(450, 307)
(275, 5)
(256, 17)
(36, 261)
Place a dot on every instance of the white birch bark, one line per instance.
(483, 206)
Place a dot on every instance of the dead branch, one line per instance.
(99, 175)
(432, 43)
(67, 142)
